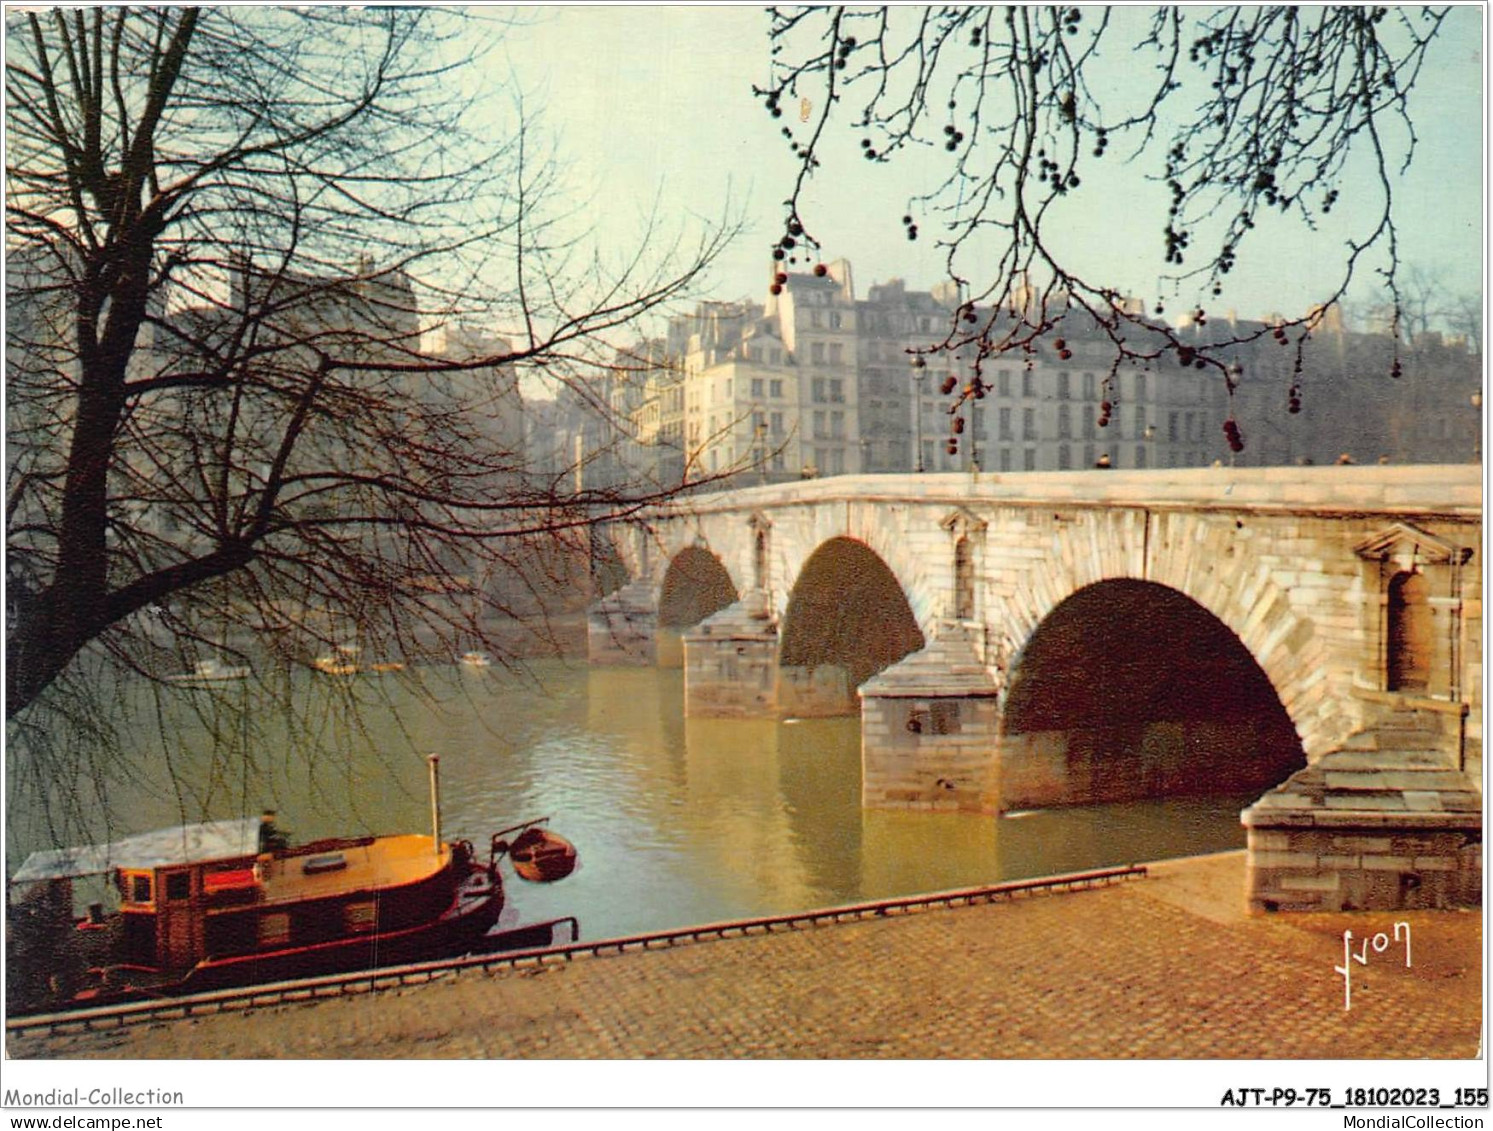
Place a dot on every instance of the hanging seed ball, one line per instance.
(821, 270)
(775, 289)
(953, 448)
(778, 253)
(780, 278)
(1060, 344)
(1065, 355)
(958, 424)
(948, 385)
(795, 228)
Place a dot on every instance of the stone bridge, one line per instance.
(1014, 641)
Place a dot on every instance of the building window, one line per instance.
(1003, 382)
(1029, 459)
(756, 386)
(1005, 459)
(837, 390)
(777, 460)
(816, 353)
(775, 386)
(1088, 386)
(1140, 386)
(816, 386)
(1140, 422)
(1003, 423)
(1028, 384)
(1190, 421)
(1063, 387)
(1140, 455)
(834, 321)
(1171, 427)
(777, 423)
(837, 425)
(836, 353)
(819, 431)
(1065, 458)
(178, 885)
(1028, 424)
(1090, 414)
(815, 318)
(140, 887)
(1088, 455)
(1065, 424)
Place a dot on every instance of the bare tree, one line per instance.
(237, 238)
(1250, 110)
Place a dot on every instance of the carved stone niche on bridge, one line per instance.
(929, 728)
(731, 662)
(1412, 614)
(622, 627)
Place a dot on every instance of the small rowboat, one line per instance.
(541, 856)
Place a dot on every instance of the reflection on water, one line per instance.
(677, 820)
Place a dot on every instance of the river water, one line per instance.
(677, 821)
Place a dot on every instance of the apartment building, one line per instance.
(814, 381)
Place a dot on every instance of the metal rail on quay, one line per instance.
(369, 981)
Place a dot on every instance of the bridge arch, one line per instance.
(1130, 689)
(695, 585)
(847, 619)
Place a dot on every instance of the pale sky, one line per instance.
(655, 103)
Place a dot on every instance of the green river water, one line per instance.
(677, 821)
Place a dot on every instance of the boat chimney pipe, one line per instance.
(435, 801)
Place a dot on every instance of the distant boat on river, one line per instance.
(208, 672)
(342, 661)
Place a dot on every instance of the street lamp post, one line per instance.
(917, 417)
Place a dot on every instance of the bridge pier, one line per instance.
(1388, 822)
(730, 663)
(622, 628)
(928, 726)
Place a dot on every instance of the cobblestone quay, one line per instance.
(1165, 967)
